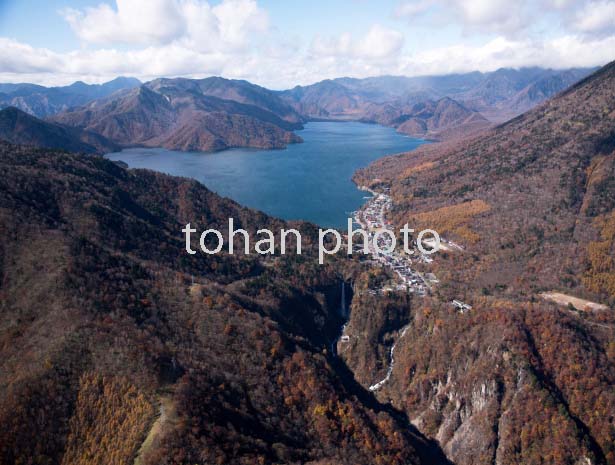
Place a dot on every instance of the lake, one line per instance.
(309, 181)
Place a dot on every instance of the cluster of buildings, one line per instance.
(372, 214)
(372, 219)
(462, 307)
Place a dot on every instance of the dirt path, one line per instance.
(166, 415)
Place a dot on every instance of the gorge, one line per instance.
(106, 320)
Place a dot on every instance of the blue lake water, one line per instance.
(309, 181)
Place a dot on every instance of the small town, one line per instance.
(372, 219)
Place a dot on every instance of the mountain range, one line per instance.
(441, 119)
(184, 114)
(530, 204)
(118, 347)
(42, 101)
(419, 114)
(217, 113)
(21, 128)
(500, 94)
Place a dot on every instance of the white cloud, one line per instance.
(237, 18)
(563, 52)
(283, 69)
(596, 17)
(17, 58)
(510, 19)
(378, 43)
(133, 21)
(232, 38)
(412, 9)
(161, 22)
(485, 11)
(500, 16)
(558, 4)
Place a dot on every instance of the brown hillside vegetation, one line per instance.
(18, 127)
(103, 315)
(110, 419)
(452, 219)
(100, 318)
(546, 175)
(516, 379)
(186, 114)
(600, 276)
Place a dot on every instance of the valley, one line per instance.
(214, 113)
(260, 232)
(240, 341)
(530, 203)
(126, 347)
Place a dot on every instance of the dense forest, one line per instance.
(117, 345)
(516, 379)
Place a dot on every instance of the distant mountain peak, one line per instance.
(497, 95)
(191, 114)
(46, 101)
(18, 127)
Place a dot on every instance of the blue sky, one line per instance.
(283, 43)
(38, 23)
(41, 24)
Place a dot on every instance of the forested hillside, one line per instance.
(516, 379)
(18, 127)
(115, 343)
(190, 114)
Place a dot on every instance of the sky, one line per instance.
(283, 43)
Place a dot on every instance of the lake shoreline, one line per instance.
(311, 181)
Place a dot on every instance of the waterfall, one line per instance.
(344, 313)
(343, 304)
